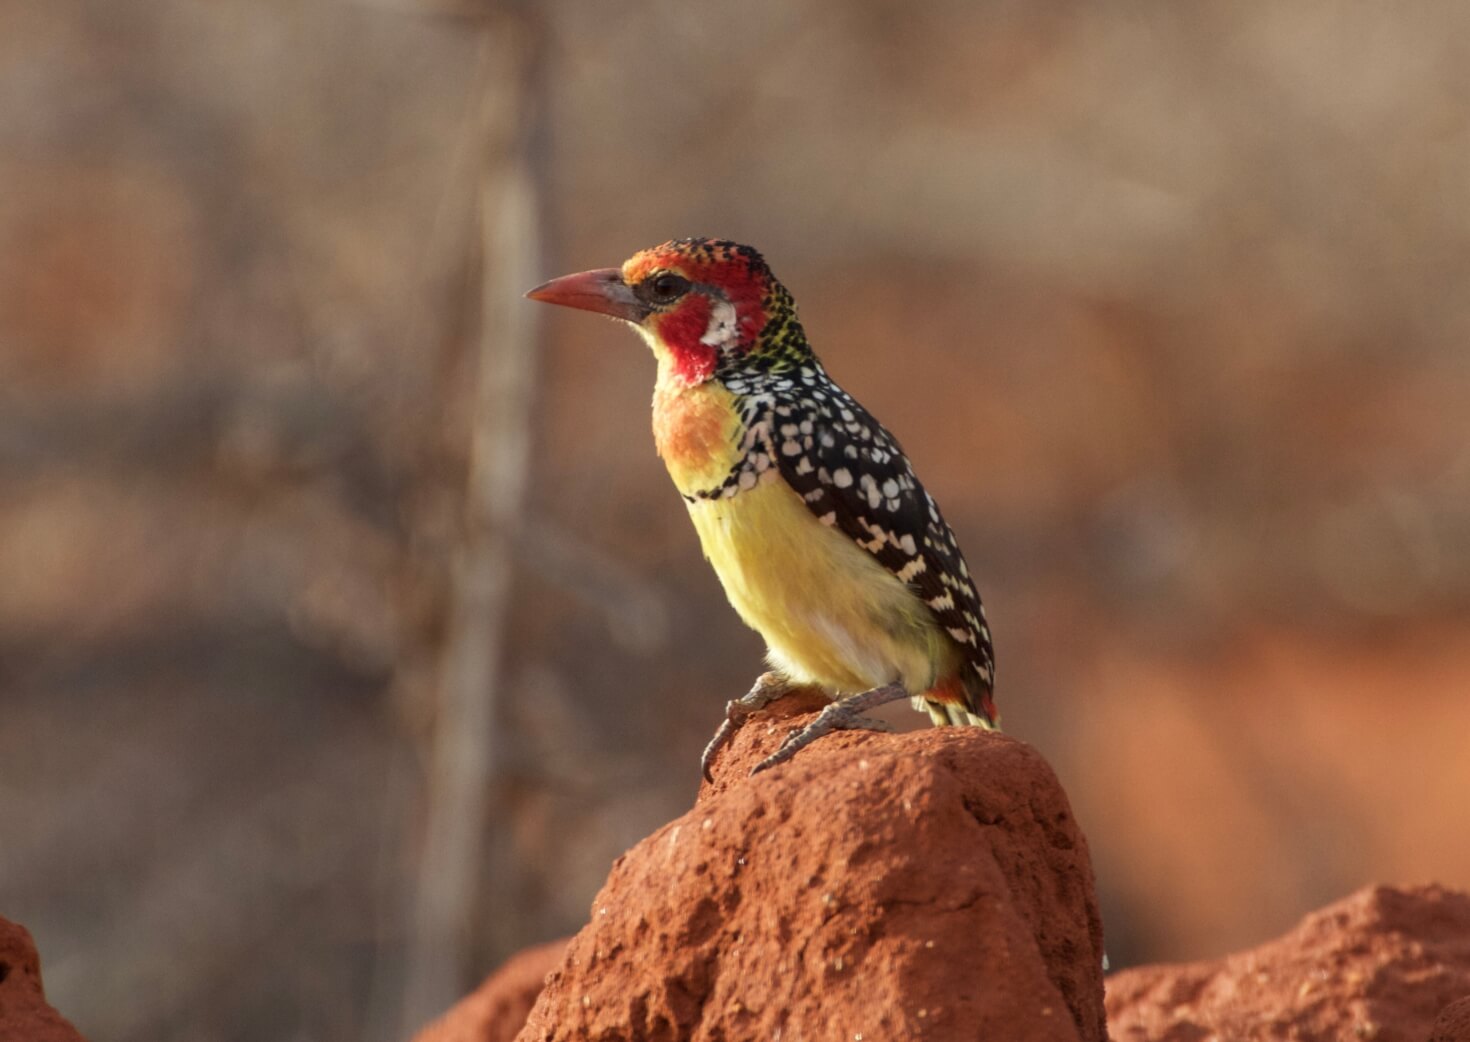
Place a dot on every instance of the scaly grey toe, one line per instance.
(768, 687)
(844, 715)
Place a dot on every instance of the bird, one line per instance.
(806, 507)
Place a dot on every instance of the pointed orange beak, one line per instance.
(602, 291)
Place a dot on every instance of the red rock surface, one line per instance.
(496, 1010)
(1380, 965)
(1453, 1022)
(25, 1015)
(931, 885)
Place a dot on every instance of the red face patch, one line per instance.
(709, 265)
(681, 329)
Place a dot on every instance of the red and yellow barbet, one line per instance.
(807, 508)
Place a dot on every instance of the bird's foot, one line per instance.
(768, 687)
(842, 715)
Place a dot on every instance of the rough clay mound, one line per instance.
(1380, 965)
(930, 885)
(25, 1015)
(1453, 1023)
(496, 1010)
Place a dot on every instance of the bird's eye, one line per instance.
(667, 288)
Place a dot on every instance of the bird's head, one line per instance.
(705, 306)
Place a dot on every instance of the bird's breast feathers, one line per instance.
(698, 433)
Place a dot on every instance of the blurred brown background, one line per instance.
(349, 627)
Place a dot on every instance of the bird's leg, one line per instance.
(768, 687)
(842, 715)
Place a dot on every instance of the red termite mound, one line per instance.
(928, 885)
(1453, 1022)
(1382, 964)
(933, 885)
(25, 1016)
(496, 1010)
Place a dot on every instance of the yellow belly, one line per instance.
(830, 614)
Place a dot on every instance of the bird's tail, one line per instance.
(948, 705)
(947, 714)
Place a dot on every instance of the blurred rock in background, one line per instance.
(1166, 303)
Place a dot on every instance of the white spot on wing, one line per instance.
(913, 568)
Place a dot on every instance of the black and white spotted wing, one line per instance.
(851, 473)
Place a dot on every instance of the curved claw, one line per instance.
(722, 735)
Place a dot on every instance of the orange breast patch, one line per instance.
(694, 429)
